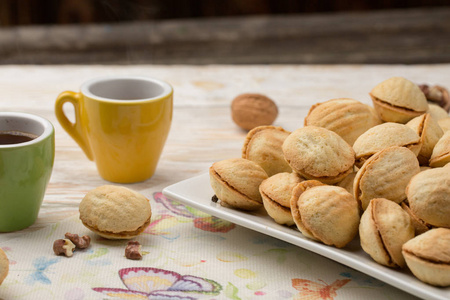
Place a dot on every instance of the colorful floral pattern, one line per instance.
(222, 260)
(153, 283)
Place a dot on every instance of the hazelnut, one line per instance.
(251, 110)
(80, 242)
(133, 250)
(63, 247)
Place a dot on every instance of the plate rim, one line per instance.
(413, 286)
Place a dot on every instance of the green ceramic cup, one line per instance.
(25, 168)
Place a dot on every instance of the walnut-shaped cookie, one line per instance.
(383, 230)
(236, 183)
(263, 146)
(318, 153)
(437, 112)
(429, 131)
(428, 196)
(330, 214)
(419, 225)
(398, 100)
(428, 256)
(347, 182)
(385, 175)
(444, 124)
(383, 136)
(296, 193)
(347, 117)
(276, 192)
(441, 152)
(115, 212)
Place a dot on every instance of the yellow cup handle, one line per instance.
(75, 130)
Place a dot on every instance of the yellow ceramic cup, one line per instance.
(121, 123)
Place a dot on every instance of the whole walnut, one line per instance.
(252, 110)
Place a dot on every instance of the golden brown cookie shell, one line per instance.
(330, 213)
(115, 209)
(384, 228)
(428, 256)
(428, 196)
(263, 146)
(236, 183)
(319, 154)
(347, 117)
(385, 175)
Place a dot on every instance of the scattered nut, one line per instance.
(63, 247)
(133, 250)
(80, 242)
(251, 110)
(437, 94)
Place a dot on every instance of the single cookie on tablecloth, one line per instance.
(276, 192)
(4, 265)
(263, 146)
(115, 212)
(428, 256)
(236, 183)
(317, 153)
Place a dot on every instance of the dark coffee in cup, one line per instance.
(15, 137)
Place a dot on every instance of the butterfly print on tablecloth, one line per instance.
(317, 290)
(41, 265)
(153, 283)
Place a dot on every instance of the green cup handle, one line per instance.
(75, 130)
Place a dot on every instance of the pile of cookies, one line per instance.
(379, 172)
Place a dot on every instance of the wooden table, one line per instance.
(202, 131)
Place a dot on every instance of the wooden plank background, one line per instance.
(406, 36)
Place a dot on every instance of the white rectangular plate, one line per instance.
(197, 192)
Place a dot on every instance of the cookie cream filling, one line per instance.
(121, 234)
(406, 109)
